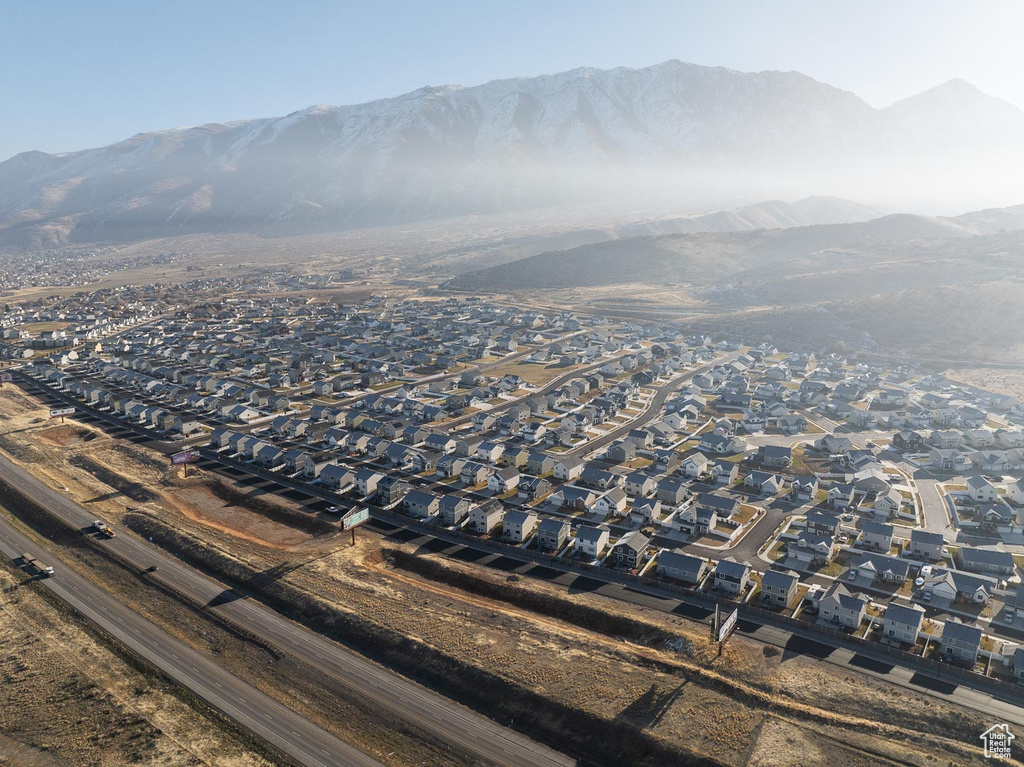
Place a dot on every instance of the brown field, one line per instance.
(1002, 380)
(69, 700)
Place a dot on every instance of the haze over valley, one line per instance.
(649, 414)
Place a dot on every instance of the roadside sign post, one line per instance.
(724, 628)
(183, 459)
(61, 412)
(354, 519)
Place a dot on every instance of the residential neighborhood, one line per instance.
(825, 489)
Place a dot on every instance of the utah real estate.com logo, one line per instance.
(997, 740)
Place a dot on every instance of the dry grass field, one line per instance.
(68, 699)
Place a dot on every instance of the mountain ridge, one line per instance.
(514, 144)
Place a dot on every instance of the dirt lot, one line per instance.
(1003, 381)
(108, 476)
(738, 709)
(68, 699)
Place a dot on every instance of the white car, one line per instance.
(333, 510)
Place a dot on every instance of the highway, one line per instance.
(286, 730)
(448, 722)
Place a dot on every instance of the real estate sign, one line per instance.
(61, 412)
(355, 518)
(185, 456)
(727, 626)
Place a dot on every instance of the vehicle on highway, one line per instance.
(41, 569)
(333, 510)
(152, 569)
(103, 528)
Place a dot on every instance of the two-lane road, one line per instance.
(289, 732)
(443, 719)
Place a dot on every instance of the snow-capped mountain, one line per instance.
(510, 144)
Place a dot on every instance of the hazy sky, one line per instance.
(85, 73)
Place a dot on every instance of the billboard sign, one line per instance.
(355, 518)
(61, 412)
(728, 626)
(185, 456)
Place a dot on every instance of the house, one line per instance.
(450, 466)
(945, 440)
(367, 482)
(640, 485)
(722, 444)
(722, 506)
(672, 492)
(553, 534)
(775, 456)
(487, 516)
(792, 424)
(621, 451)
(888, 503)
(902, 623)
(440, 443)
(764, 483)
(568, 469)
(489, 452)
(778, 588)
(1018, 601)
(338, 478)
(841, 496)
(467, 446)
(503, 480)
(629, 550)
(421, 504)
(838, 607)
(907, 440)
(532, 488)
(731, 577)
(599, 479)
(988, 561)
(724, 472)
(591, 541)
(880, 567)
(958, 586)
(680, 566)
(452, 510)
(611, 502)
(696, 465)
(981, 490)
(948, 460)
(1015, 492)
(804, 489)
(474, 474)
(832, 445)
(695, 520)
(518, 525)
(812, 549)
(575, 497)
(1018, 664)
(391, 490)
(540, 464)
(876, 536)
(646, 509)
(960, 641)
(925, 545)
